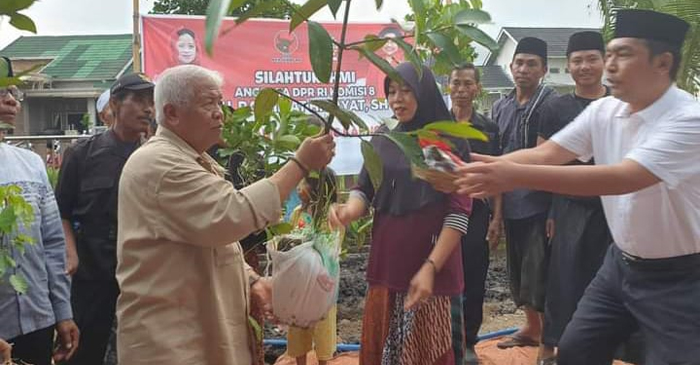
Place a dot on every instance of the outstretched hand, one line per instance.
(486, 176)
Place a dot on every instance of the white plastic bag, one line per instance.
(304, 280)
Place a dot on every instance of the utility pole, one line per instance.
(136, 46)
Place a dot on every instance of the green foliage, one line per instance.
(52, 173)
(15, 214)
(359, 232)
(444, 32)
(373, 164)
(12, 8)
(689, 10)
(281, 10)
(320, 51)
(266, 140)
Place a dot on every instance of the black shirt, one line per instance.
(86, 193)
(558, 112)
(490, 129)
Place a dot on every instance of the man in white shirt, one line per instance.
(646, 142)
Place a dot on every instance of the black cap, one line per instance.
(6, 67)
(532, 45)
(585, 41)
(132, 81)
(652, 25)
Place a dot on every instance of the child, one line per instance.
(321, 336)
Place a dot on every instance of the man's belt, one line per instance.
(677, 263)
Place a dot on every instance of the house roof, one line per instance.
(494, 77)
(76, 57)
(557, 38)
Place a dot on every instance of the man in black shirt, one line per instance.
(577, 229)
(87, 198)
(485, 219)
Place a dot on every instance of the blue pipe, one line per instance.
(343, 347)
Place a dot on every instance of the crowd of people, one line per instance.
(142, 234)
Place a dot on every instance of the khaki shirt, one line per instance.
(184, 287)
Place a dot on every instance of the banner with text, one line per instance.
(262, 53)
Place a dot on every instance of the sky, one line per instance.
(63, 17)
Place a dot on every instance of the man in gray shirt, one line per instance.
(525, 211)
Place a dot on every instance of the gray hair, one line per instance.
(178, 86)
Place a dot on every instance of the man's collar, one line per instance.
(656, 109)
(167, 134)
(203, 158)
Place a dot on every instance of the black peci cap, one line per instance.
(585, 41)
(652, 25)
(532, 45)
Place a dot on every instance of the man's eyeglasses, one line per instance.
(16, 93)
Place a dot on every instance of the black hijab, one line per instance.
(401, 193)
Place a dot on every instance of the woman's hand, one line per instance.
(421, 286)
(339, 216)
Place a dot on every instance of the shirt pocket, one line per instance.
(227, 255)
(97, 193)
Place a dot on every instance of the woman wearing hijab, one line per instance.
(414, 270)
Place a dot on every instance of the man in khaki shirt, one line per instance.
(184, 284)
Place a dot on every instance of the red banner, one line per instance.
(262, 53)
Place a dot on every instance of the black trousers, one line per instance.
(94, 308)
(475, 260)
(528, 255)
(623, 297)
(34, 348)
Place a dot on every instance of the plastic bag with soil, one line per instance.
(305, 276)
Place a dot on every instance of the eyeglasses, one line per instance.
(16, 93)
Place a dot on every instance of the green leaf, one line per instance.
(408, 145)
(305, 12)
(410, 54)
(334, 5)
(8, 7)
(8, 219)
(373, 164)
(421, 15)
(22, 22)
(216, 11)
(478, 36)
(447, 46)
(459, 130)
(264, 102)
(259, 9)
(381, 63)
(373, 42)
(320, 51)
(19, 284)
(379, 3)
(289, 141)
(280, 229)
(472, 16)
(346, 117)
(256, 328)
